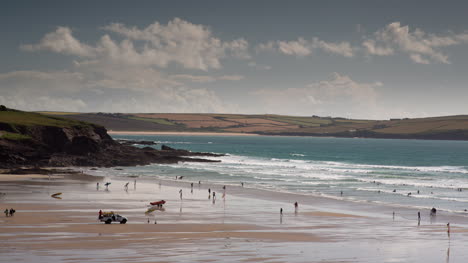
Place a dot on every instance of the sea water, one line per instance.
(411, 173)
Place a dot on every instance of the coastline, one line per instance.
(245, 226)
(180, 133)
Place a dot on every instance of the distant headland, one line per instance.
(432, 128)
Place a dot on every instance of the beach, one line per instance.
(245, 226)
(181, 133)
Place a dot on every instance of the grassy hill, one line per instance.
(15, 125)
(447, 128)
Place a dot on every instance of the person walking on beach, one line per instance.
(97, 186)
(281, 211)
(12, 211)
(134, 184)
(191, 188)
(296, 206)
(448, 228)
(214, 196)
(126, 186)
(100, 214)
(209, 193)
(180, 192)
(419, 218)
(6, 212)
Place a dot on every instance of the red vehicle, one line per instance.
(158, 203)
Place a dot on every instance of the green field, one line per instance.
(433, 127)
(32, 119)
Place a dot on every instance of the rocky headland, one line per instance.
(35, 140)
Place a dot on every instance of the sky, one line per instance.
(353, 59)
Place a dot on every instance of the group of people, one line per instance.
(296, 207)
(10, 212)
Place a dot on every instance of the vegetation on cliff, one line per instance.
(33, 139)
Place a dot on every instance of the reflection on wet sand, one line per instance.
(241, 228)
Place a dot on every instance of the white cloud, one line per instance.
(62, 41)
(421, 47)
(372, 49)
(190, 45)
(43, 103)
(337, 96)
(302, 47)
(231, 77)
(107, 89)
(342, 48)
(206, 79)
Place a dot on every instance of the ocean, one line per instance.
(409, 173)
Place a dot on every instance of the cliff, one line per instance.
(32, 139)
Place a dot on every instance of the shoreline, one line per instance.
(180, 133)
(244, 226)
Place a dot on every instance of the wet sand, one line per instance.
(246, 226)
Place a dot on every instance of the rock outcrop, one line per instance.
(81, 144)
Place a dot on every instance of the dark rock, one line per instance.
(83, 146)
(167, 148)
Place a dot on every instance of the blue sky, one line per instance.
(357, 59)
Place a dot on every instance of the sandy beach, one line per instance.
(245, 226)
(181, 133)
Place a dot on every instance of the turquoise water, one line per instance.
(374, 170)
